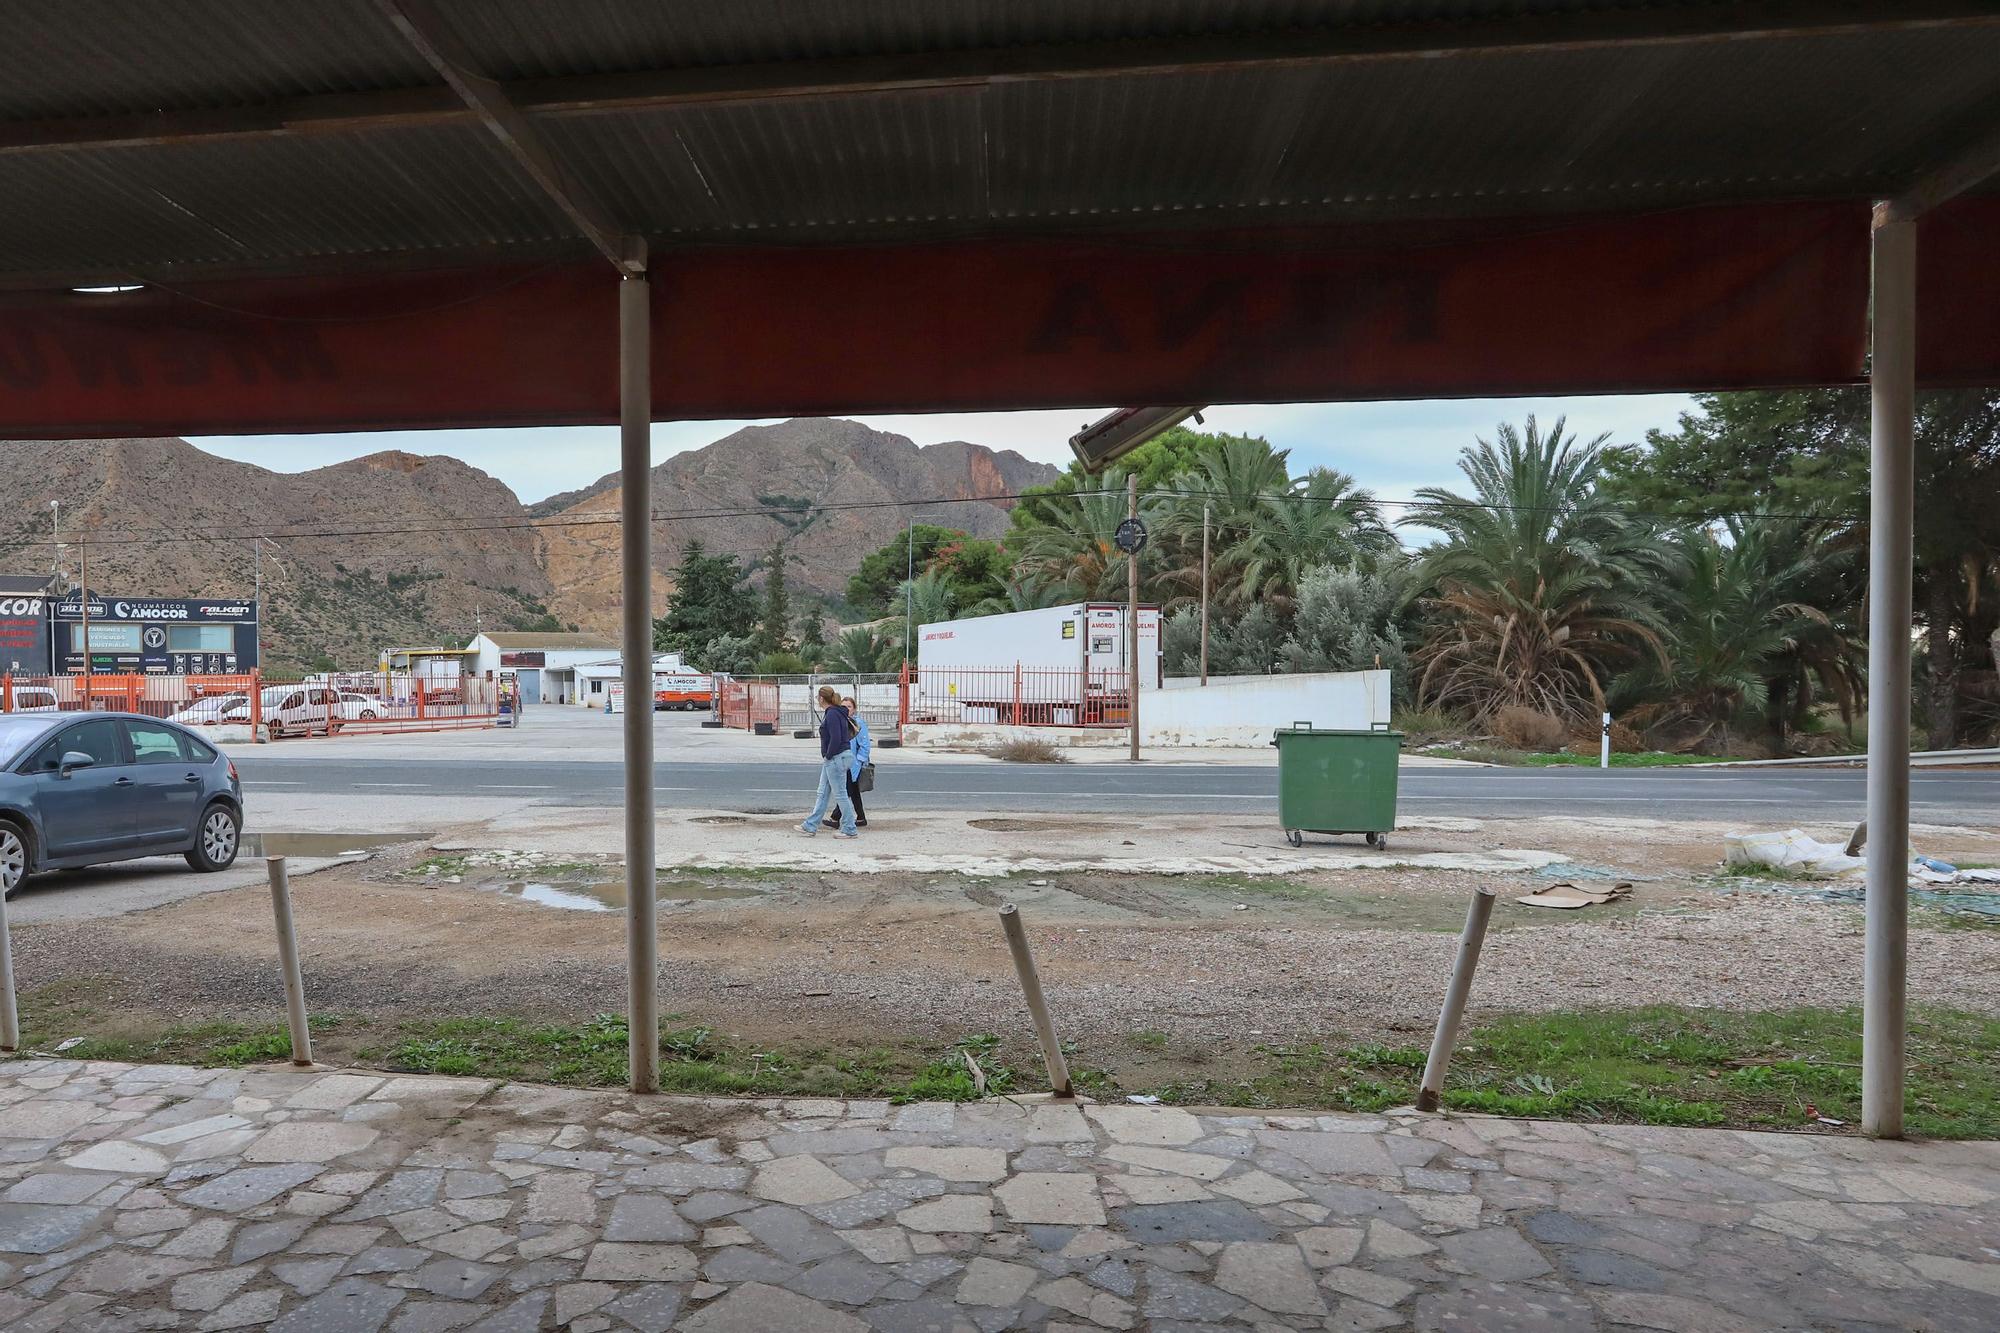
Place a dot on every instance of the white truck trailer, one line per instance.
(1059, 666)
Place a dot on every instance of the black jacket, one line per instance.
(836, 731)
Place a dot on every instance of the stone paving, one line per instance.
(161, 1197)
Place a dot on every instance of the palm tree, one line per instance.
(862, 650)
(1322, 520)
(1074, 559)
(1744, 640)
(926, 599)
(1541, 583)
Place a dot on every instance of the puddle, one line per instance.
(319, 844)
(609, 895)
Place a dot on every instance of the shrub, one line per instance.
(1033, 750)
(1528, 729)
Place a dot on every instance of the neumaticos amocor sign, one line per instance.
(156, 609)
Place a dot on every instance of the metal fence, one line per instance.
(1020, 696)
(791, 703)
(321, 705)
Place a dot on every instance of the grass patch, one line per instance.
(1765, 870)
(1500, 754)
(1658, 1065)
(1031, 750)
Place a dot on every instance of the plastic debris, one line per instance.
(1143, 1099)
(69, 1043)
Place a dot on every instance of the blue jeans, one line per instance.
(833, 789)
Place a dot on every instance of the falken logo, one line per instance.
(224, 610)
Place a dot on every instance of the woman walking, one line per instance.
(863, 751)
(836, 757)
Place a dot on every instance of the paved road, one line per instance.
(1763, 796)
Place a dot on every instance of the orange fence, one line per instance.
(324, 705)
(1018, 696)
(190, 699)
(744, 705)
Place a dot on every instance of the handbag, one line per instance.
(866, 782)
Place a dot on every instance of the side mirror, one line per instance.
(73, 760)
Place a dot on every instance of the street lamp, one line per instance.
(1109, 438)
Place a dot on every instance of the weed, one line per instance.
(1031, 750)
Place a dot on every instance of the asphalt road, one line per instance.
(1765, 796)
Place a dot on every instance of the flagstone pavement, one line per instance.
(162, 1197)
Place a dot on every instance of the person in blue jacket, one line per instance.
(863, 751)
(836, 757)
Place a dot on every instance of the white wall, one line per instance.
(1245, 710)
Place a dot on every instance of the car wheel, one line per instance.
(217, 840)
(368, 715)
(13, 858)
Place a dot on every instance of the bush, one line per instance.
(1426, 726)
(1033, 750)
(1527, 729)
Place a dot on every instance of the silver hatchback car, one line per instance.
(77, 789)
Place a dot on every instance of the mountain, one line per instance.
(153, 508)
(750, 489)
(398, 549)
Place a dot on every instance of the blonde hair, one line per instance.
(829, 695)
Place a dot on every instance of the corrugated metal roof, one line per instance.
(1609, 126)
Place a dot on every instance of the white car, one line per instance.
(35, 699)
(358, 707)
(217, 708)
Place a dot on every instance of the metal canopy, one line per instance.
(170, 140)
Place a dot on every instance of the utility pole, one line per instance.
(55, 562)
(83, 603)
(1132, 617)
(1204, 592)
(909, 577)
(257, 600)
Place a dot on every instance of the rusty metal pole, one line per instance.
(10, 1016)
(288, 960)
(635, 431)
(1891, 527)
(1476, 917)
(1038, 1006)
(1132, 619)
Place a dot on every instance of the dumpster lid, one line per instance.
(1308, 729)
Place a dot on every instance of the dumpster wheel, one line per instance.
(1378, 840)
(1294, 837)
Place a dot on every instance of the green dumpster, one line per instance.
(1333, 781)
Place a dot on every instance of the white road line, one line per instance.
(271, 782)
(393, 784)
(499, 786)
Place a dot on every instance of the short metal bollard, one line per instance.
(10, 1017)
(1038, 1007)
(1476, 917)
(288, 959)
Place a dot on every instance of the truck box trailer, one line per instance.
(1059, 666)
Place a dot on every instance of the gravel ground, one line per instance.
(817, 960)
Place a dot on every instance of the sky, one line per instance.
(1389, 447)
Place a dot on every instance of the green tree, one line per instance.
(1349, 619)
(774, 631)
(1807, 452)
(1743, 645)
(864, 649)
(1542, 583)
(709, 602)
(1158, 462)
(873, 586)
(929, 598)
(1073, 555)
(812, 631)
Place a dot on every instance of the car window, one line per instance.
(196, 750)
(294, 700)
(152, 744)
(98, 739)
(319, 698)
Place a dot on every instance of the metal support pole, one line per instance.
(1476, 917)
(1892, 511)
(1132, 619)
(288, 960)
(1204, 592)
(635, 440)
(1038, 1007)
(83, 606)
(10, 1016)
(909, 578)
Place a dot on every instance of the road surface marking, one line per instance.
(498, 786)
(392, 784)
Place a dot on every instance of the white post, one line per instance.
(1132, 619)
(10, 1016)
(1892, 512)
(1604, 744)
(1453, 1013)
(288, 960)
(635, 453)
(1038, 1007)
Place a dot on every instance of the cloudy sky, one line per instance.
(1390, 448)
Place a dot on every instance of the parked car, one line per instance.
(215, 708)
(79, 791)
(358, 707)
(300, 710)
(35, 699)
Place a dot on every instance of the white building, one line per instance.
(593, 679)
(544, 665)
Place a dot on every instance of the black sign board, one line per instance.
(1131, 538)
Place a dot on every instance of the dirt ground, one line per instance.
(1202, 958)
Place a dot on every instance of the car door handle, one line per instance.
(121, 782)
(192, 777)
